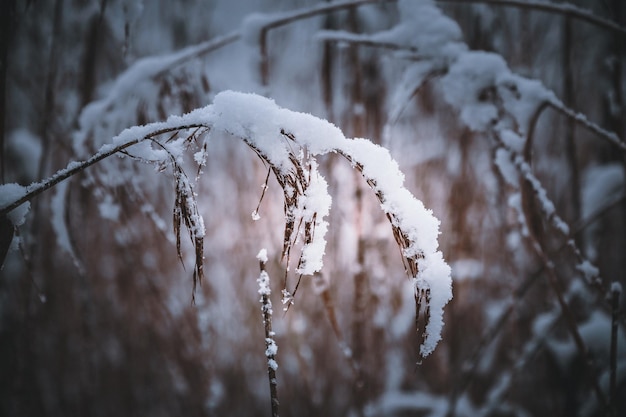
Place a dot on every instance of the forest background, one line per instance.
(506, 117)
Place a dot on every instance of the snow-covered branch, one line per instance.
(11, 201)
(289, 141)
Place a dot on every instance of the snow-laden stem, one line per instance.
(582, 120)
(535, 202)
(270, 344)
(74, 168)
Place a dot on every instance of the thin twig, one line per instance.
(583, 121)
(74, 168)
(564, 9)
(270, 344)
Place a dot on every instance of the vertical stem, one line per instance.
(359, 309)
(7, 19)
(361, 278)
(357, 108)
(264, 64)
(50, 88)
(570, 144)
(270, 345)
(327, 71)
(619, 119)
(615, 294)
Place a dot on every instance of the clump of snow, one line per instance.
(271, 348)
(424, 27)
(264, 283)
(314, 206)
(588, 269)
(10, 193)
(469, 86)
(262, 255)
(252, 26)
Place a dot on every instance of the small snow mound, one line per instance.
(262, 255)
(10, 193)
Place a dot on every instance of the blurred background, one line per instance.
(96, 317)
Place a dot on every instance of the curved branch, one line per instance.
(563, 9)
(528, 146)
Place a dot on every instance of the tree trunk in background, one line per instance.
(7, 25)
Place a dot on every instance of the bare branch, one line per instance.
(564, 9)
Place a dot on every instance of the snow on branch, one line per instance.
(342, 36)
(276, 133)
(289, 142)
(15, 199)
(144, 69)
(581, 119)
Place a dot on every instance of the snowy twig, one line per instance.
(583, 121)
(144, 69)
(270, 345)
(471, 365)
(74, 168)
(185, 208)
(564, 9)
(338, 36)
(535, 201)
